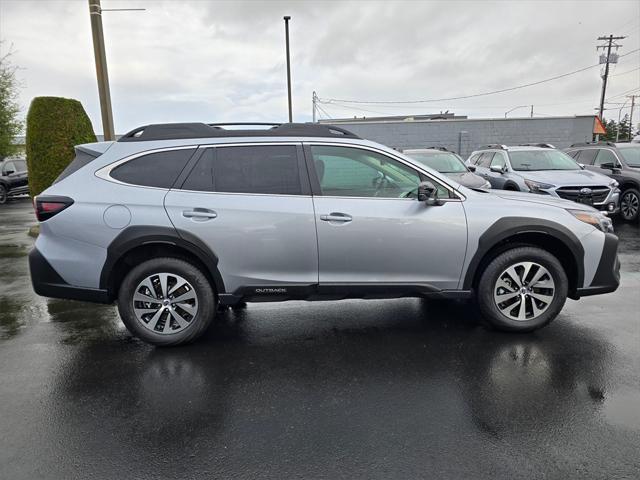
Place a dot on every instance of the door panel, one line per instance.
(258, 239)
(250, 204)
(370, 233)
(391, 240)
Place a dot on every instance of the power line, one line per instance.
(624, 73)
(403, 102)
(330, 100)
(623, 93)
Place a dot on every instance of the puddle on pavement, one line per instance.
(11, 320)
(80, 321)
(13, 251)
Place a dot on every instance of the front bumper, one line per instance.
(607, 277)
(48, 283)
(611, 204)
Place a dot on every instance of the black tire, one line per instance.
(198, 324)
(630, 205)
(488, 284)
(3, 194)
(511, 187)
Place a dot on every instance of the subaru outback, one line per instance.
(541, 169)
(172, 220)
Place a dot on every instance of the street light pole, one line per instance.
(95, 13)
(515, 108)
(286, 32)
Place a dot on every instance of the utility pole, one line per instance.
(531, 111)
(606, 59)
(286, 32)
(95, 13)
(633, 103)
(314, 99)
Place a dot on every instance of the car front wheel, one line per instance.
(166, 301)
(630, 204)
(522, 289)
(3, 194)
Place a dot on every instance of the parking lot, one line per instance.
(350, 389)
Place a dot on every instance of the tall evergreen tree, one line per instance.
(10, 124)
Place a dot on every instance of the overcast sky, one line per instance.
(218, 61)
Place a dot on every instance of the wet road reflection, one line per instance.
(375, 389)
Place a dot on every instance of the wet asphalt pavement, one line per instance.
(397, 389)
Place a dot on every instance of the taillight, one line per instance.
(47, 206)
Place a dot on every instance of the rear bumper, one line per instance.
(607, 277)
(48, 283)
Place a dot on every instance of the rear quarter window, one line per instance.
(81, 159)
(159, 169)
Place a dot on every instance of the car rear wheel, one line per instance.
(166, 301)
(3, 194)
(522, 289)
(630, 204)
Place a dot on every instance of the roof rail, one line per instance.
(495, 145)
(588, 144)
(175, 131)
(541, 145)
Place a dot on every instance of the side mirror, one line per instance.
(428, 193)
(609, 166)
(9, 172)
(581, 165)
(471, 168)
(497, 169)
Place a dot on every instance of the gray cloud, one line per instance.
(223, 60)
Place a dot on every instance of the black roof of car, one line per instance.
(173, 131)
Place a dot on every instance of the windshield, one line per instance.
(443, 162)
(542, 160)
(631, 155)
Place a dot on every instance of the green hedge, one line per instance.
(54, 126)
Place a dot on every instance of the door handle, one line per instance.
(199, 213)
(336, 217)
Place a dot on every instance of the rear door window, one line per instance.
(261, 169)
(159, 169)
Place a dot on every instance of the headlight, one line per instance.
(597, 219)
(536, 187)
(486, 185)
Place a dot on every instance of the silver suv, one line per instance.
(542, 169)
(173, 220)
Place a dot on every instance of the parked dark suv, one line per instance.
(620, 161)
(13, 178)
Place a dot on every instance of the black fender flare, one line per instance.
(508, 227)
(136, 236)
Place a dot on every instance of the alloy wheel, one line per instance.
(165, 303)
(629, 205)
(524, 291)
(3, 194)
